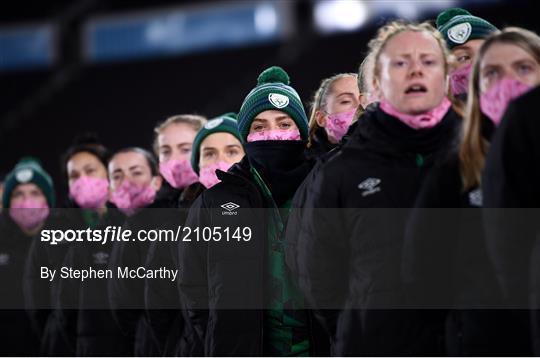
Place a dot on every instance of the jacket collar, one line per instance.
(382, 133)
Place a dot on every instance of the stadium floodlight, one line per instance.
(339, 15)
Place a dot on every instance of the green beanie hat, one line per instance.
(224, 123)
(28, 170)
(272, 93)
(459, 26)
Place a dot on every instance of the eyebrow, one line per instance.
(280, 118)
(462, 47)
(346, 94)
(214, 148)
(489, 65)
(524, 60)
(117, 170)
(260, 120)
(136, 166)
(424, 54)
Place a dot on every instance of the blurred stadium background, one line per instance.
(117, 67)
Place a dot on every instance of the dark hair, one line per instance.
(86, 142)
(150, 159)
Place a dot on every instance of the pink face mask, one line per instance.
(178, 173)
(275, 134)
(29, 213)
(459, 80)
(129, 197)
(419, 121)
(494, 101)
(90, 192)
(208, 176)
(337, 124)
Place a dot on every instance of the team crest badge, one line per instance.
(24, 175)
(213, 123)
(278, 100)
(460, 33)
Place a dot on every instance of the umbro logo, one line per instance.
(370, 186)
(230, 208)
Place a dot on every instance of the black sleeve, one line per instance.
(161, 297)
(67, 299)
(192, 281)
(35, 290)
(510, 186)
(322, 253)
(430, 237)
(294, 220)
(126, 296)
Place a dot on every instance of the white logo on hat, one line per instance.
(278, 100)
(24, 175)
(460, 33)
(213, 123)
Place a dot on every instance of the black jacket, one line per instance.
(126, 296)
(223, 283)
(41, 296)
(511, 197)
(299, 202)
(320, 145)
(85, 313)
(18, 337)
(447, 270)
(350, 243)
(162, 301)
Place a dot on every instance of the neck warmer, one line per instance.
(29, 213)
(178, 173)
(419, 121)
(129, 197)
(282, 165)
(459, 80)
(494, 101)
(89, 192)
(275, 134)
(337, 124)
(208, 176)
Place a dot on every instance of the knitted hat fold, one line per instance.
(28, 170)
(458, 26)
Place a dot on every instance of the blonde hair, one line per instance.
(193, 120)
(473, 147)
(387, 32)
(365, 72)
(320, 101)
